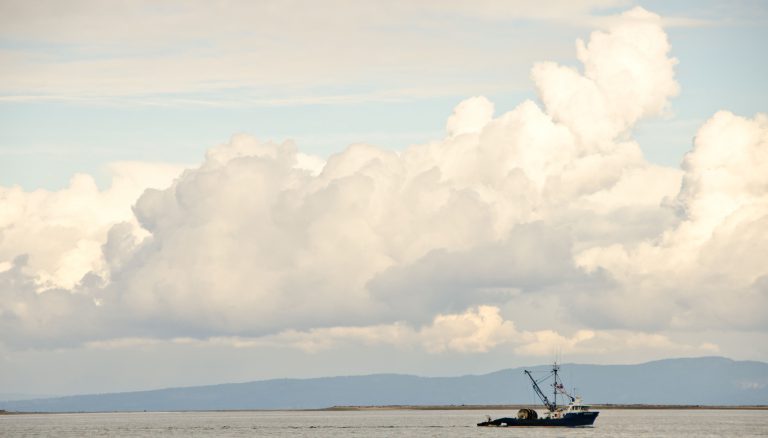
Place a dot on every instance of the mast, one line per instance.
(541, 395)
(555, 369)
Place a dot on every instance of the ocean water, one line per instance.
(610, 423)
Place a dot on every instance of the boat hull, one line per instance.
(579, 419)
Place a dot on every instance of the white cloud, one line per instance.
(470, 116)
(598, 106)
(709, 267)
(261, 245)
(62, 231)
(476, 330)
(204, 53)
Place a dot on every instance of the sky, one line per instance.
(208, 192)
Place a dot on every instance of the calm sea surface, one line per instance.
(611, 423)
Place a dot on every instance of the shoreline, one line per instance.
(607, 406)
(432, 408)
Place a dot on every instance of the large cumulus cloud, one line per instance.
(708, 270)
(551, 203)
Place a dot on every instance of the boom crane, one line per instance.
(541, 395)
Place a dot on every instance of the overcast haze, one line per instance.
(196, 193)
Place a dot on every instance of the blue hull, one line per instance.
(576, 419)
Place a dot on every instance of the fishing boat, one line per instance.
(573, 414)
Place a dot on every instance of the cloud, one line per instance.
(62, 232)
(31, 318)
(470, 116)
(543, 227)
(243, 53)
(706, 270)
(598, 106)
(534, 258)
(476, 330)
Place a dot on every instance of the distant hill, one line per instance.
(706, 381)
(6, 396)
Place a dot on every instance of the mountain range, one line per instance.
(700, 381)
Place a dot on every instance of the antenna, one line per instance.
(555, 369)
